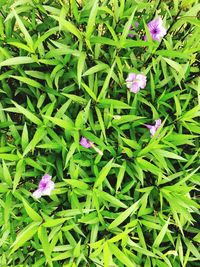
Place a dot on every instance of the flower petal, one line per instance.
(37, 193)
(136, 24)
(151, 25)
(148, 126)
(155, 37)
(162, 31)
(158, 22)
(153, 130)
(158, 123)
(129, 85)
(135, 88)
(49, 187)
(131, 35)
(131, 77)
(46, 177)
(141, 79)
(84, 142)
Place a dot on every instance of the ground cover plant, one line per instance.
(99, 133)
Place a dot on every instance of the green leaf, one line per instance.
(24, 139)
(68, 26)
(120, 236)
(161, 235)
(191, 19)
(24, 30)
(75, 10)
(19, 171)
(25, 235)
(103, 173)
(80, 66)
(105, 103)
(66, 123)
(76, 183)
(106, 83)
(31, 213)
(126, 118)
(17, 61)
(72, 149)
(111, 199)
(192, 248)
(124, 215)
(132, 143)
(42, 38)
(120, 255)
(27, 81)
(147, 166)
(172, 54)
(168, 154)
(197, 238)
(101, 122)
(91, 20)
(89, 90)
(175, 66)
(133, 43)
(103, 40)
(42, 234)
(120, 175)
(126, 28)
(27, 114)
(6, 174)
(54, 222)
(3, 188)
(189, 115)
(107, 256)
(22, 46)
(99, 67)
(76, 98)
(10, 157)
(38, 136)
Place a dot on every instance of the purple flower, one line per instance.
(85, 143)
(136, 81)
(131, 27)
(45, 187)
(156, 29)
(145, 37)
(136, 24)
(154, 128)
(131, 34)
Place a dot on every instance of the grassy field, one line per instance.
(99, 133)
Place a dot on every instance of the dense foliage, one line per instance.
(127, 194)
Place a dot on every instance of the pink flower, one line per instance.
(85, 143)
(145, 37)
(136, 24)
(154, 128)
(131, 27)
(45, 186)
(135, 82)
(156, 29)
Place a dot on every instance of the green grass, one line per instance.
(129, 200)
